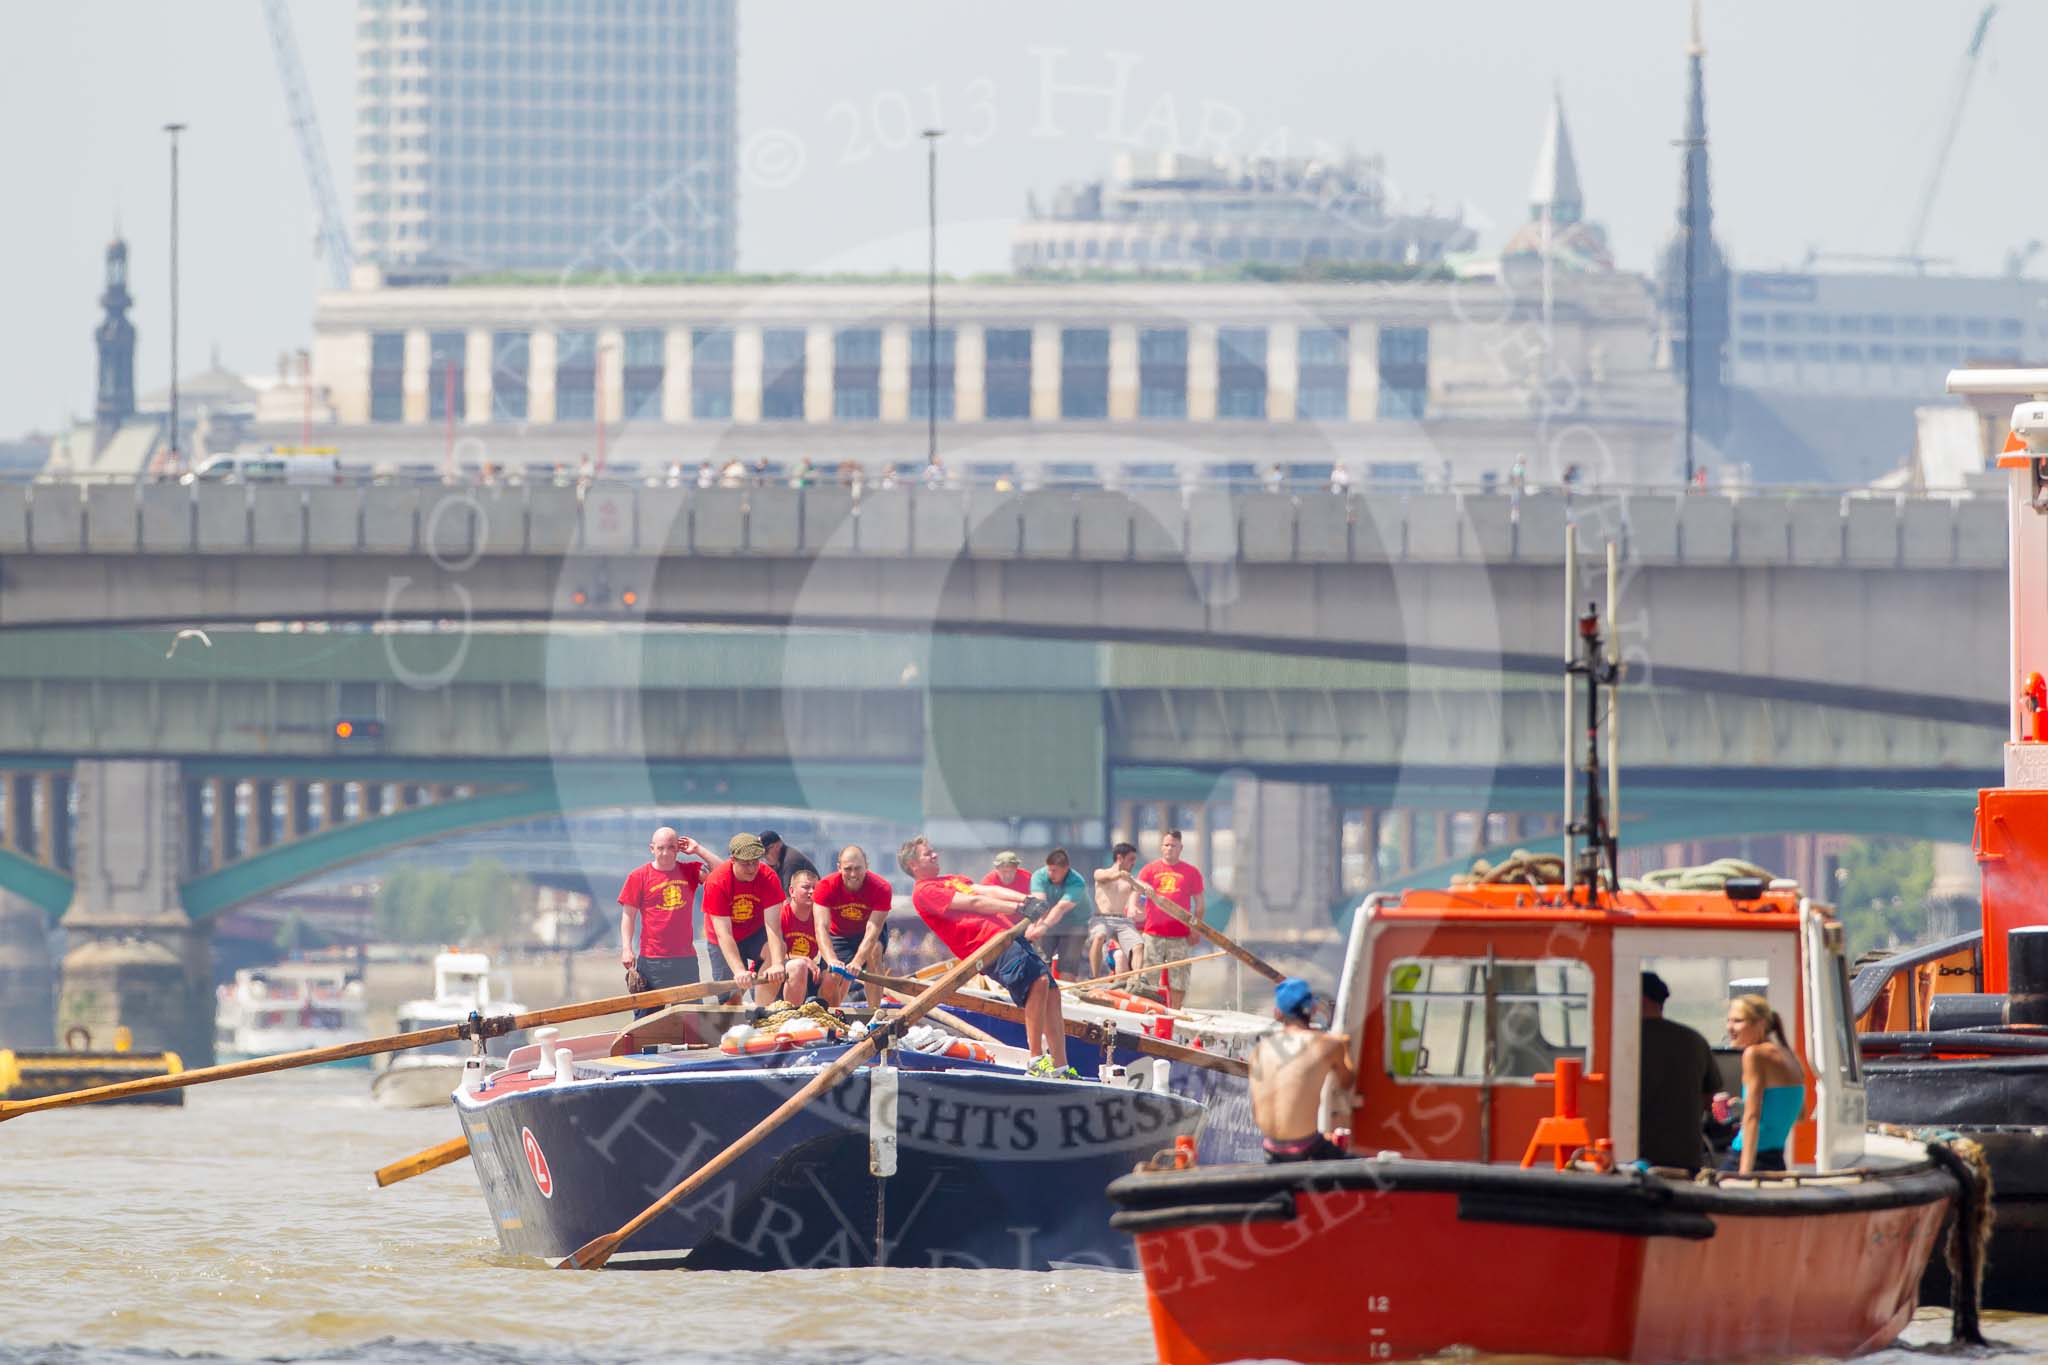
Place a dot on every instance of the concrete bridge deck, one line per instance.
(1892, 605)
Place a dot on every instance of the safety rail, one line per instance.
(1665, 527)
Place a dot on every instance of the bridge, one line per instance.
(149, 782)
(1794, 598)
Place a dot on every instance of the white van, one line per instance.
(267, 467)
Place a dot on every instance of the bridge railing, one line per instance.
(1201, 525)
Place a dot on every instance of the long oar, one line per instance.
(1101, 1035)
(419, 1163)
(594, 1253)
(1217, 937)
(492, 1027)
(1093, 982)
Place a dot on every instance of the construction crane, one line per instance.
(1959, 95)
(332, 231)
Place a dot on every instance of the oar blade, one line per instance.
(592, 1254)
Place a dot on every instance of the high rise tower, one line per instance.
(1695, 275)
(115, 337)
(510, 135)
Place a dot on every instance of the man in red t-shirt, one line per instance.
(800, 931)
(964, 917)
(1168, 938)
(657, 901)
(856, 904)
(739, 900)
(1009, 872)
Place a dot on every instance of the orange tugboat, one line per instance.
(1955, 1033)
(1491, 1196)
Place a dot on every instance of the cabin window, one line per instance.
(1439, 1028)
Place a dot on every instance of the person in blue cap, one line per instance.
(1290, 1067)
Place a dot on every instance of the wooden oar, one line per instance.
(1137, 971)
(1099, 1034)
(957, 1024)
(1217, 937)
(419, 1163)
(594, 1253)
(491, 1027)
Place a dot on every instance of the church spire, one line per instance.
(1695, 274)
(115, 336)
(1555, 186)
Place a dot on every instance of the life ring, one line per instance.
(967, 1050)
(1127, 1002)
(78, 1038)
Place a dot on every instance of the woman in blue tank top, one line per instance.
(1773, 1084)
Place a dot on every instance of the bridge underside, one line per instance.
(456, 731)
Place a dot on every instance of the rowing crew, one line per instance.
(820, 934)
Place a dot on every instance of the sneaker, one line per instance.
(1040, 1066)
(1065, 1073)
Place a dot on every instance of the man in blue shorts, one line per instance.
(965, 916)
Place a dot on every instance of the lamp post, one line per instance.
(931, 294)
(174, 129)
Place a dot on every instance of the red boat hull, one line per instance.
(1356, 1272)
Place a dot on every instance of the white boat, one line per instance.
(288, 1007)
(420, 1078)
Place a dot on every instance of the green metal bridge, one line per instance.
(450, 732)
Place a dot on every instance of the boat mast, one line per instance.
(1599, 669)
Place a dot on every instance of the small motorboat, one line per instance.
(421, 1078)
(288, 1007)
(1491, 1195)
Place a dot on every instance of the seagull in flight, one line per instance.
(189, 633)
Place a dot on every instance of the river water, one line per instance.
(245, 1226)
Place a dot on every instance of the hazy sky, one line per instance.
(1823, 117)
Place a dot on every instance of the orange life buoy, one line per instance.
(968, 1050)
(1125, 1001)
(781, 1040)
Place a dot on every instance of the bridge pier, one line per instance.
(1287, 851)
(136, 959)
(28, 1004)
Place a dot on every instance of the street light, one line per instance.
(931, 292)
(174, 129)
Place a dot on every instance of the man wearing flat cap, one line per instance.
(1675, 1085)
(739, 899)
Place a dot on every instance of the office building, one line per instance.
(1167, 213)
(1427, 379)
(546, 135)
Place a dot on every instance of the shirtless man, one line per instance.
(1289, 1067)
(1112, 925)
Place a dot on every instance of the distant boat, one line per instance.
(421, 1078)
(288, 1007)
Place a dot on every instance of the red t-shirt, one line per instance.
(962, 931)
(1017, 880)
(851, 910)
(664, 900)
(1178, 882)
(799, 932)
(746, 904)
